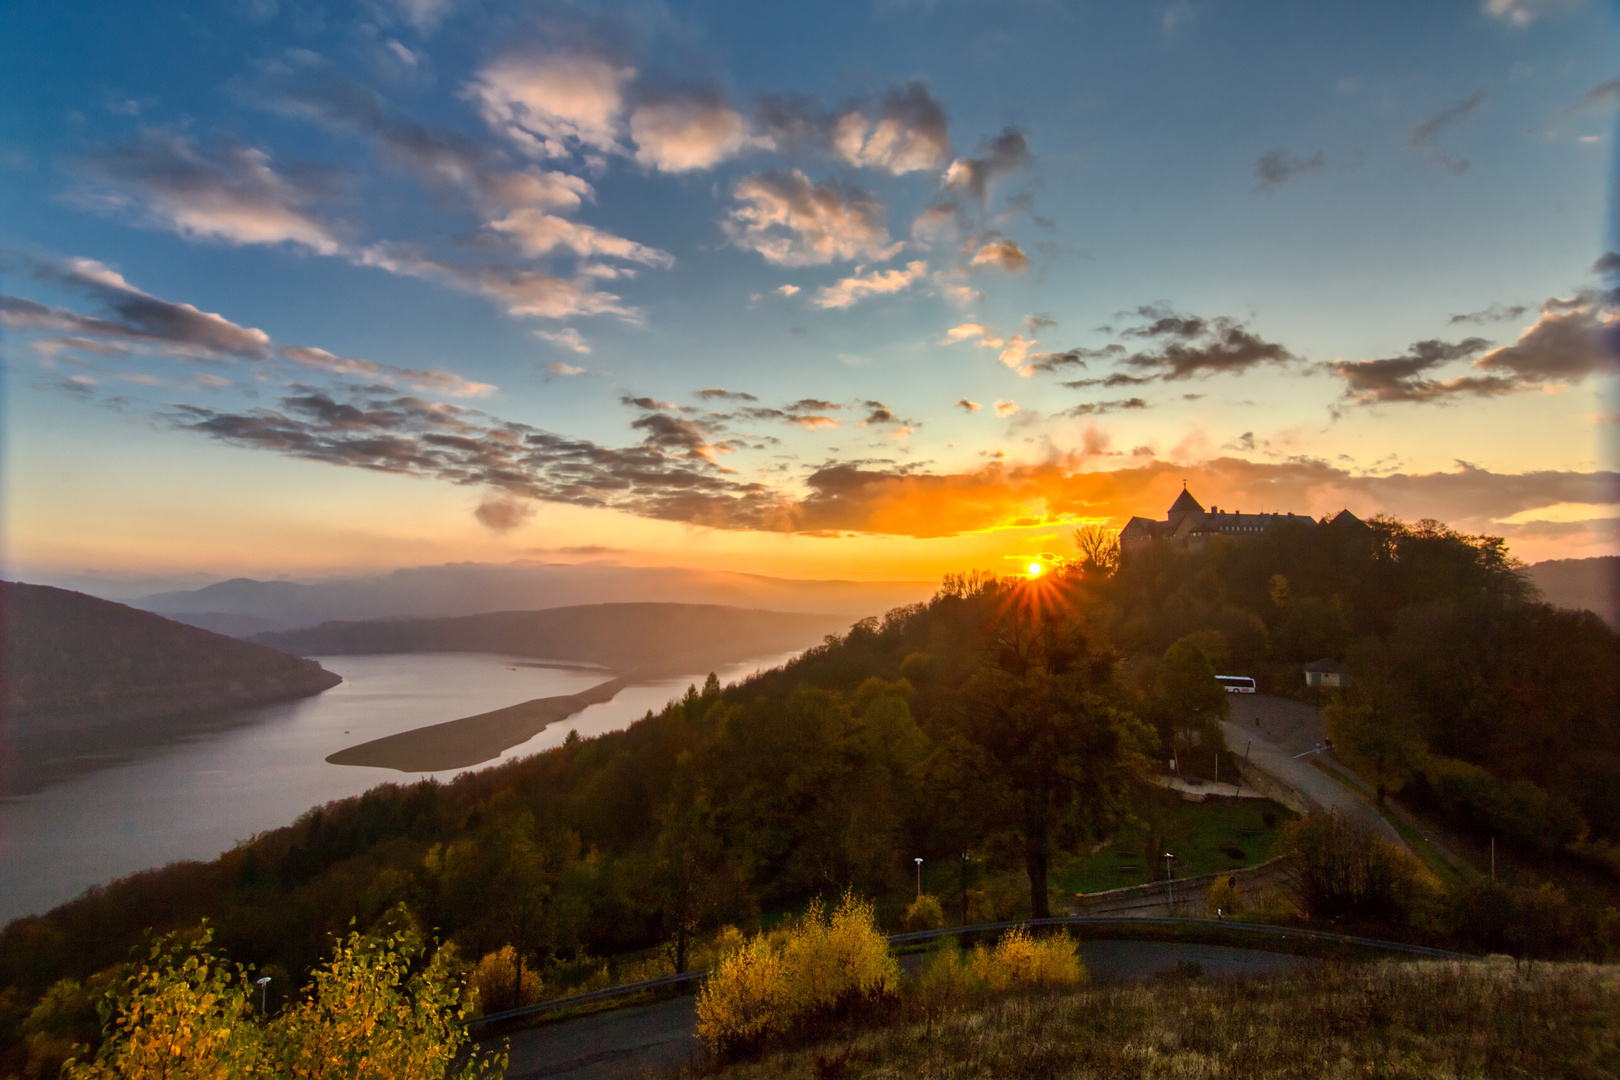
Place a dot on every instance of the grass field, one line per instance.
(1205, 838)
(1398, 1021)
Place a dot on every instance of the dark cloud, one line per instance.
(998, 158)
(1076, 357)
(1278, 167)
(1425, 138)
(131, 315)
(503, 513)
(1110, 382)
(1494, 314)
(1193, 345)
(1608, 263)
(1098, 408)
(1398, 378)
(1569, 341)
(968, 406)
(1034, 324)
(718, 394)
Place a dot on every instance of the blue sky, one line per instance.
(300, 288)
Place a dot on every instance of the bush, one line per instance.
(496, 978)
(1488, 916)
(945, 983)
(1344, 874)
(815, 969)
(1514, 809)
(925, 913)
(1020, 960)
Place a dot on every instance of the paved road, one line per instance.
(1271, 731)
(652, 1039)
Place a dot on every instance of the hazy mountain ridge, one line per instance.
(1593, 584)
(475, 588)
(643, 639)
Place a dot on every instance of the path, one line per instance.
(659, 1038)
(1269, 732)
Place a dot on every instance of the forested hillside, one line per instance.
(71, 659)
(1008, 720)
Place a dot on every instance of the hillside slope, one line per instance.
(71, 661)
(427, 592)
(632, 639)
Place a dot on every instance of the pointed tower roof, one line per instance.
(1185, 503)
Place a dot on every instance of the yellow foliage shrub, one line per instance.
(925, 913)
(496, 978)
(775, 981)
(1020, 960)
(945, 983)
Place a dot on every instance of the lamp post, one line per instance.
(1170, 879)
(966, 856)
(264, 989)
(918, 861)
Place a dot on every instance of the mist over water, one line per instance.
(199, 796)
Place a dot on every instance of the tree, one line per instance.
(1064, 755)
(1189, 698)
(1098, 546)
(1373, 728)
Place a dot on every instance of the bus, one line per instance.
(1236, 684)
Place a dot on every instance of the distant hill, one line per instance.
(72, 661)
(473, 588)
(1593, 584)
(642, 640)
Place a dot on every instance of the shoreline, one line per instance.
(472, 740)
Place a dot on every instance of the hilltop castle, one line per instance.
(1188, 524)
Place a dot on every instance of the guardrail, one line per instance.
(1259, 930)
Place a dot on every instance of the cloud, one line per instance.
(900, 131)
(968, 406)
(567, 338)
(1098, 408)
(684, 134)
(503, 513)
(521, 292)
(552, 105)
(429, 381)
(1425, 138)
(786, 290)
(1608, 263)
(230, 193)
(557, 367)
(847, 291)
(999, 158)
(965, 332)
(1193, 345)
(718, 394)
(793, 221)
(1397, 378)
(904, 131)
(1278, 167)
(937, 223)
(538, 233)
(131, 315)
(1005, 408)
(1565, 344)
(1525, 12)
(997, 254)
(1016, 353)
(1494, 314)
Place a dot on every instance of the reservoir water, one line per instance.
(258, 769)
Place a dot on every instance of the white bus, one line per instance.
(1236, 684)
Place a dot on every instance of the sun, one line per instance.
(1035, 569)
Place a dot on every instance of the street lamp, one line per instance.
(1170, 878)
(918, 861)
(264, 988)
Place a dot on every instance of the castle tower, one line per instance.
(1184, 507)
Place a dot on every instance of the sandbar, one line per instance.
(461, 744)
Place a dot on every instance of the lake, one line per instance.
(258, 769)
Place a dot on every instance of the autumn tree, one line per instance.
(1063, 754)
(1098, 546)
(1187, 695)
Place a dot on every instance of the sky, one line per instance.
(869, 289)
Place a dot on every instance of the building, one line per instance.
(1189, 525)
(1327, 673)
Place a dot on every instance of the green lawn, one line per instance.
(1205, 838)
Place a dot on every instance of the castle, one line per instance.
(1190, 525)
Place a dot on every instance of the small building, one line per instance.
(1188, 525)
(1328, 674)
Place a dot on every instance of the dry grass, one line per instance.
(1423, 1020)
